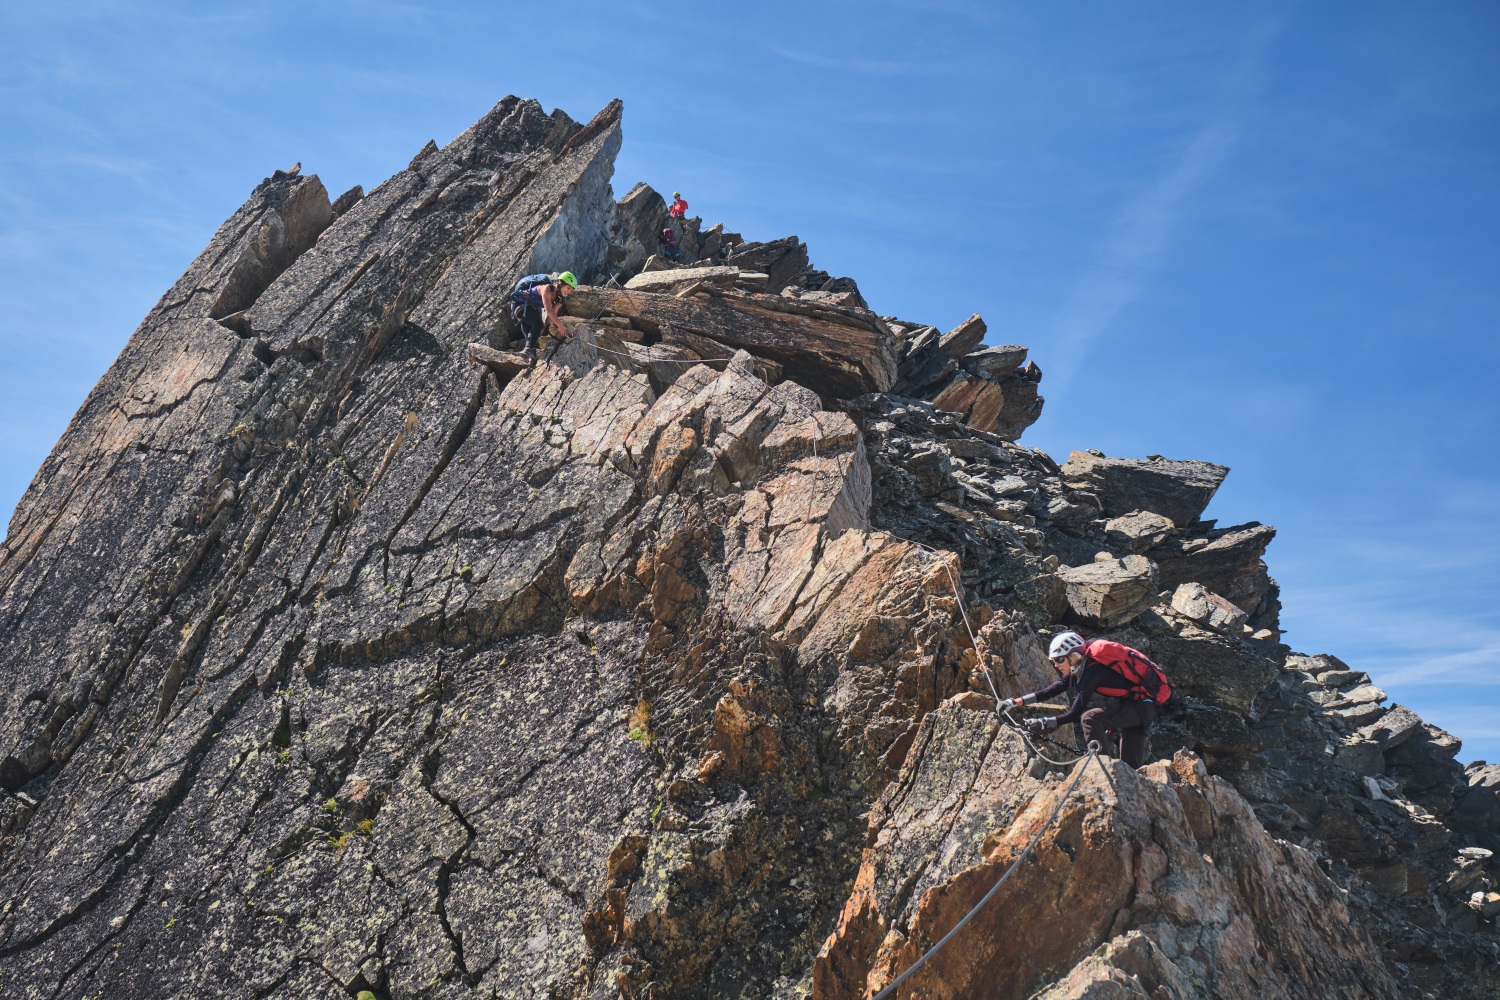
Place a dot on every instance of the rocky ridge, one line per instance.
(346, 654)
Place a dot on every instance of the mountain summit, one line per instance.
(349, 654)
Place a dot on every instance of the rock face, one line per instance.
(346, 652)
(1157, 881)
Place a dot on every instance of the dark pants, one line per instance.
(531, 320)
(1130, 719)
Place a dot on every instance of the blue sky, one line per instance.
(1263, 236)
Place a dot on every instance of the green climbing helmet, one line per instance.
(676, 194)
(567, 278)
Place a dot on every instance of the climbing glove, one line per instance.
(1038, 726)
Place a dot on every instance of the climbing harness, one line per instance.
(890, 991)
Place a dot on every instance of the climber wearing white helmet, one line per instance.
(1132, 686)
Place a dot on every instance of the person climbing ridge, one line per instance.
(1133, 687)
(678, 208)
(669, 246)
(536, 302)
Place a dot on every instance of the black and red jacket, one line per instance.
(1093, 677)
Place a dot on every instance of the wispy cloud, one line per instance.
(1465, 666)
(1401, 645)
(1132, 253)
(856, 64)
(909, 67)
(1136, 243)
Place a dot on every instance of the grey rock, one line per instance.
(1342, 678)
(1203, 606)
(1358, 714)
(1388, 880)
(1394, 728)
(781, 260)
(1177, 490)
(1362, 756)
(1208, 666)
(1111, 593)
(669, 282)
(1477, 810)
(1228, 561)
(1139, 531)
(1365, 694)
(994, 362)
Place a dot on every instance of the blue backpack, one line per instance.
(525, 288)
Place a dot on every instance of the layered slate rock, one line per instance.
(838, 352)
(349, 651)
(1179, 491)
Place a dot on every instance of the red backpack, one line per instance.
(1144, 679)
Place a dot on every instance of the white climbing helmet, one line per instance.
(1064, 643)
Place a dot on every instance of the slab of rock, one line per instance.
(681, 279)
(1317, 665)
(1365, 694)
(962, 339)
(836, 352)
(1138, 531)
(1478, 808)
(1394, 728)
(1203, 606)
(1425, 767)
(1358, 714)
(1342, 678)
(1113, 592)
(994, 362)
(643, 212)
(1006, 407)
(923, 369)
(501, 362)
(780, 260)
(1177, 490)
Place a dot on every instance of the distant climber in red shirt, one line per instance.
(1132, 687)
(678, 208)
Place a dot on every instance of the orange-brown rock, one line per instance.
(1153, 883)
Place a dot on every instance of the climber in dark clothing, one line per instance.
(535, 303)
(669, 243)
(1132, 686)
